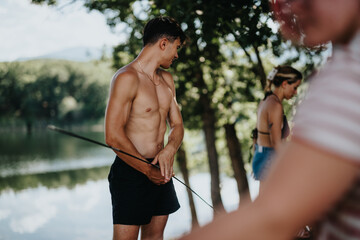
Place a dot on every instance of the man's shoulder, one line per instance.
(126, 74)
(167, 77)
(165, 74)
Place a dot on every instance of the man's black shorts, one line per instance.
(135, 199)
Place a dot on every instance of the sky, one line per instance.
(28, 30)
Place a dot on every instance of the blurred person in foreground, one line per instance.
(316, 176)
(142, 100)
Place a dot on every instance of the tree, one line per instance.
(11, 89)
(222, 35)
(181, 159)
(40, 92)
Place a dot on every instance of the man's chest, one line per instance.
(151, 98)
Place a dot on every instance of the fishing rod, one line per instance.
(52, 127)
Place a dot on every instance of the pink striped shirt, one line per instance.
(329, 118)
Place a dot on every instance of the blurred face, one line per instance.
(319, 21)
(171, 53)
(290, 90)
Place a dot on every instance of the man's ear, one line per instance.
(163, 43)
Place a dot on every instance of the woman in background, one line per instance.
(272, 126)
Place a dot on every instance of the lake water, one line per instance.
(54, 187)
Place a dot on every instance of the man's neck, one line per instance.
(148, 60)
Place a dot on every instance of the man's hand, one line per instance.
(155, 175)
(166, 160)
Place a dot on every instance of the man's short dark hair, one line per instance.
(162, 27)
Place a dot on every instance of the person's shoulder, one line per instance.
(166, 75)
(273, 104)
(126, 75)
(168, 78)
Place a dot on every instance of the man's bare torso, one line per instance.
(146, 125)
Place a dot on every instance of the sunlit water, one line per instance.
(62, 192)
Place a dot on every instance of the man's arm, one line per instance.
(176, 134)
(302, 186)
(122, 93)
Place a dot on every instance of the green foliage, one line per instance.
(53, 91)
(223, 37)
(231, 46)
(10, 88)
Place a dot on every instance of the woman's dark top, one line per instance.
(285, 130)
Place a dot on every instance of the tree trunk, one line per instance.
(237, 162)
(28, 127)
(181, 158)
(208, 118)
(260, 67)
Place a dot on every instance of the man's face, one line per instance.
(318, 21)
(171, 53)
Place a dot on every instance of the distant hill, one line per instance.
(79, 54)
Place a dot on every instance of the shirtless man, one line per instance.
(142, 99)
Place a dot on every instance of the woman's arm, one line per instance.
(275, 117)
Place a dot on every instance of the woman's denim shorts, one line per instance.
(261, 161)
